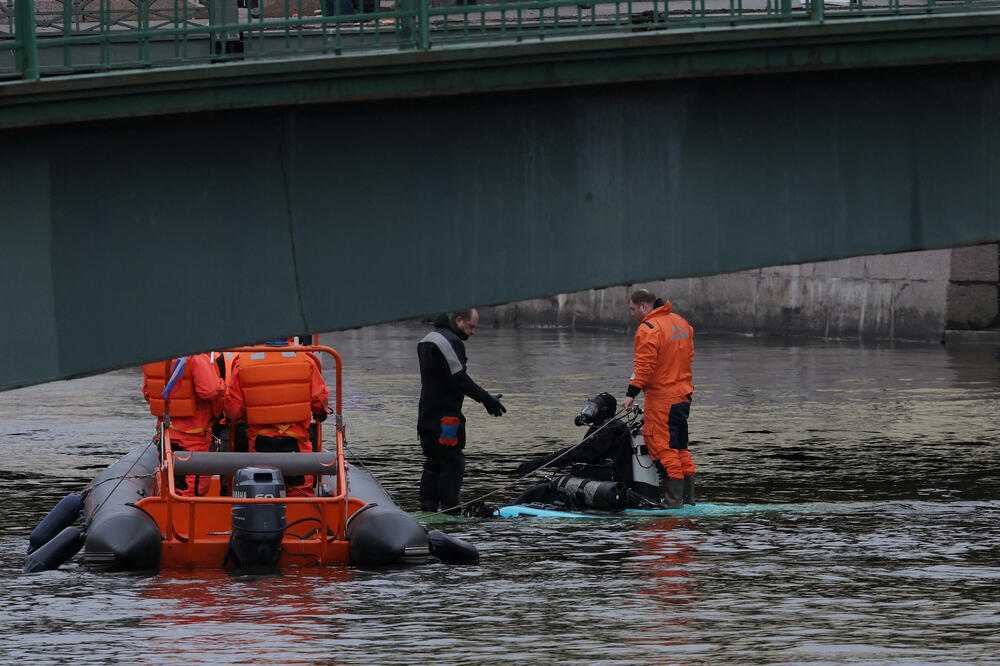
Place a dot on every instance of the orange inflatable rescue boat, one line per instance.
(135, 519)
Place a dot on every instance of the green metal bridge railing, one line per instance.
(56, 37)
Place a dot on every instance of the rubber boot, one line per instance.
(673, 493)
(689, 490)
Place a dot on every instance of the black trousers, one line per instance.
(441, 481)
(283, 444)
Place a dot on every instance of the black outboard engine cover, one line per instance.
(257, 528)
(591, 494)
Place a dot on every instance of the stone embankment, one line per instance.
(926, 296)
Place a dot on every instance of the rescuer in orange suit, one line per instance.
(661, 368)
(195, 403)
(277, 393)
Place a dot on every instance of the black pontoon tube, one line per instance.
(451, 550)
(120, 535)
(62, 515)
(55, 551)
(382, 533)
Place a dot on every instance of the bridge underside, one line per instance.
(135, 239)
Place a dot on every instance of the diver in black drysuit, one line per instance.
(606, 444)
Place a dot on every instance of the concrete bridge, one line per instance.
(170, 186)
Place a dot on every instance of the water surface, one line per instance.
(861, 522)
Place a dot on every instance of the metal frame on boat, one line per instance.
(196, 530)
(134, 517)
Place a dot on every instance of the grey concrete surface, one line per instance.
(988, 337)
(905, 296)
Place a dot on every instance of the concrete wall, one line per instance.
(905, 296)
(972, 290)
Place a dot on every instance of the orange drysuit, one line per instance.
(195, 402)
(276, 393)
(661, 367)
(226, 362)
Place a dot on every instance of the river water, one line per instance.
(859, 520)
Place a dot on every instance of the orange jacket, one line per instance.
(227, 363)
(664, 349)
(275, 392)
(195, 400)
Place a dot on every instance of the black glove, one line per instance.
(319, 416)
(527, 468)
(493, 405)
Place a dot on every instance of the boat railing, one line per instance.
(226, 463)
(333, 508)
(199, 513)
(61, 37)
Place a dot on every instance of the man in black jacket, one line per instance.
(444, 383)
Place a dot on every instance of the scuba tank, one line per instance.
(590, 493)
(645, 478)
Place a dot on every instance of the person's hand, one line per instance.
(493, 405)
(628, 403)
(319, 416)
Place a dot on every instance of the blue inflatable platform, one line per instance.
(538, 511)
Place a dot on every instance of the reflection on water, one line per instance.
(859, 484)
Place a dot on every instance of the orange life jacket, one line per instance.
(183, 401)
(227, 360)
(276, 388)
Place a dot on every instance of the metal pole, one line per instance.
(424, 27)
(24, 17)
(405, 25)
(67, 32)
(816, 11)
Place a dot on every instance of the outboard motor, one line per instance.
(257, 528)
(645, 478)
(590, 493)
